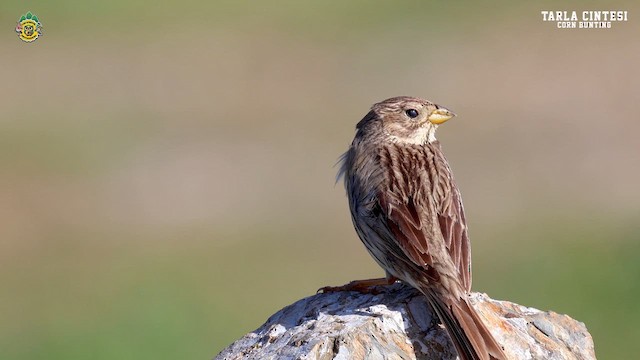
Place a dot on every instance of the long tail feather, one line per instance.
(471, 337)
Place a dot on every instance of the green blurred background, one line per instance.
(167, 175)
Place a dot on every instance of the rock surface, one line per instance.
(397, 323)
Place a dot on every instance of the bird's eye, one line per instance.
(411, 113)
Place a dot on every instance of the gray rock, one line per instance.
(397, 323)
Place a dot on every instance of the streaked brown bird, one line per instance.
(407, 210)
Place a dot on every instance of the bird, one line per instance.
(407, 210)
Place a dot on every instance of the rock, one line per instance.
(397, 323)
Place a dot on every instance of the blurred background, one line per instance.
(168, 172)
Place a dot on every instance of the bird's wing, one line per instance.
(417, 239)
(424, 214)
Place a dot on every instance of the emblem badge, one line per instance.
(29, 27)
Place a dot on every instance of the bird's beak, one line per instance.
(440, 115)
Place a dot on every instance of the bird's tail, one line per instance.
(471, 337)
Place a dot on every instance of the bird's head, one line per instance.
(405, 119)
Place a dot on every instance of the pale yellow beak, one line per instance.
(440, 115)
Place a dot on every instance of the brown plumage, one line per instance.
(407, 210)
